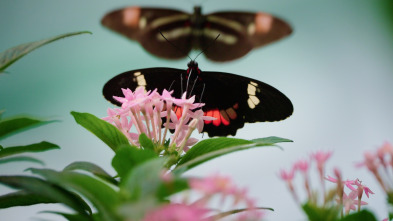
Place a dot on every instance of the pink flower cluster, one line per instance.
(380, 164)
(207, 189)
(145, 110)
(348, 201)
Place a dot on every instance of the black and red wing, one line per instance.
(232, 99)
(144, 25)
(240, 32)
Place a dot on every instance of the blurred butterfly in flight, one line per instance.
(240, 31)
(232, 99)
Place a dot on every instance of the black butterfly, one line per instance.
(239, 31)
(232, 99)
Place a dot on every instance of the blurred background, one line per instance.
(337, 68)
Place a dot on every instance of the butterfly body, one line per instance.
(232, 99)
(239, 32)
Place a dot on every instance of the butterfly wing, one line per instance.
(144, 25)
(234, 100)
(240, 32)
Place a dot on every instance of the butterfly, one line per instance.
(232, 99)
(239, 32)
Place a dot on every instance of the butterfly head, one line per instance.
(193, 67)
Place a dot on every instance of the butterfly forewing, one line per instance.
(232, 99)
(145, 24)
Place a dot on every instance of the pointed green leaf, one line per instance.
(362, 215)
(128, 157)
(48, 190)
(108, 133)
(13, 54)
(14, 125)
(92, 168)
(211, 148)
(21, 158)
(37, 147)
(315, 213)
(146, 142)
(144, 180)
(73, 217)
(100, 194)
(23, 198)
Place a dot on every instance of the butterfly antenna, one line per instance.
(193, 85)
(207, 47)
(175, 46)
(188, 80)
(169, 89)
(181, 84)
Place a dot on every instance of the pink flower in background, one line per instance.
(178, 212)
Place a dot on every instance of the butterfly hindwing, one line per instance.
(239, 32)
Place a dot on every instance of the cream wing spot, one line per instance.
(174, 33)
(140, 80)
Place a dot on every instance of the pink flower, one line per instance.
(347, 183)
(301, 165)
(366, 190)
(144, 111)
(178, 212)
(321, 157)
(350, 202)
(287, 176)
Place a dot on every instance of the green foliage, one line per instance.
(211, 148)
(21, 158)
(128, 157)
(316, 213)
(11, 55)
(146, 142)
(108, 133)
(23, 198)
(11, 126)
(100, 194)
(48, 192)
(93, 169)
(37, 147)
(363, 215)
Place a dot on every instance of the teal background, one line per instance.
(337, 68)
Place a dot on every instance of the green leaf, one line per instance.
(21, 158)
(92, 168)
(72, 217)
(211, 148)
(363, 215)
(108, 133)
(13, 54)
(47, 190)
(315, 213)
(128, 157)
(23, 198)
(174, 186)
(146, 142)
(144, 180)
(37, 147)
(101, 195)
(14, 125)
